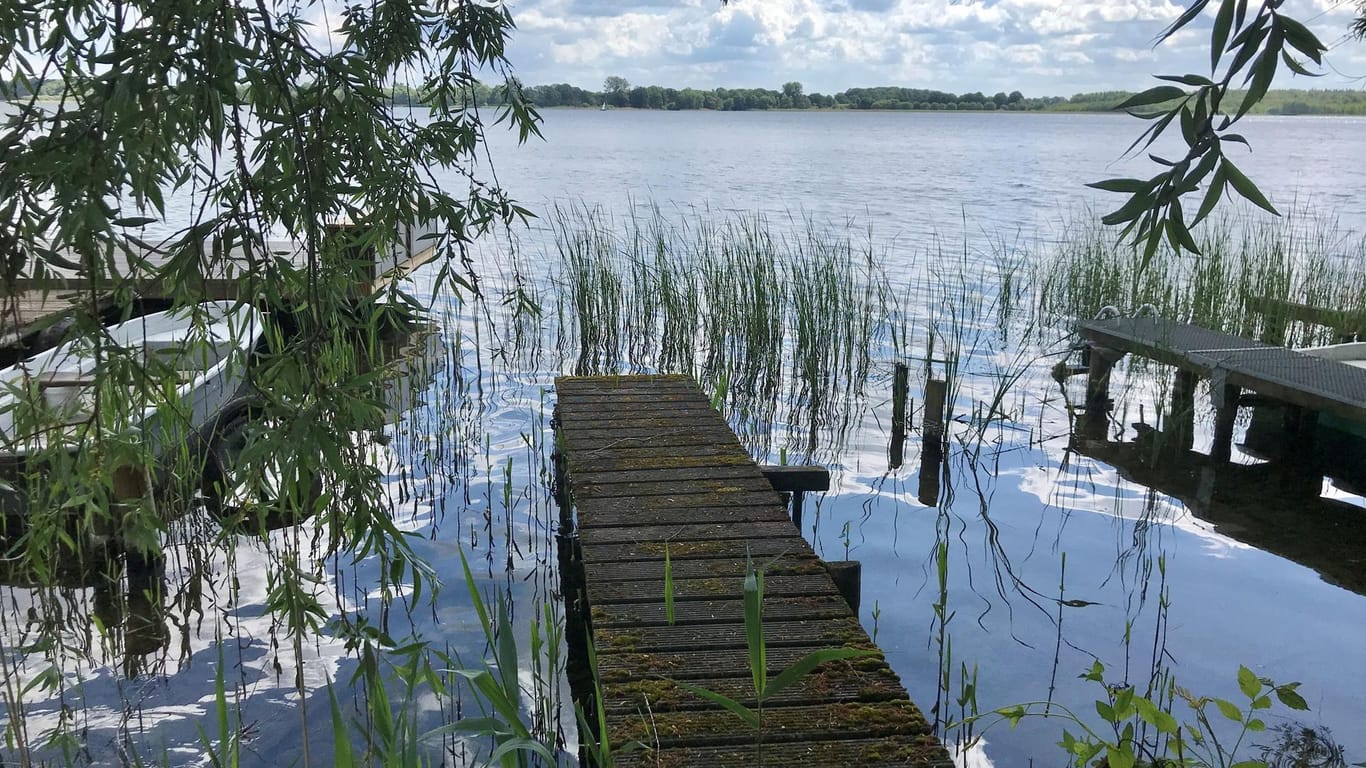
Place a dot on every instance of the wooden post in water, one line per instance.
(1225, 398)
(900, 385)
(1299, 476)
(792, 482)
(932, 441)
(1183, 409)
(848, 578)
(1099, 362)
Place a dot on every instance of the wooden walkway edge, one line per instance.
(1305, 385)
(648, 464)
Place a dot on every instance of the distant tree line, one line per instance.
(1280, 102)
(618, 92)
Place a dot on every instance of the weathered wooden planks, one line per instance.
(648, 466)
(1281, 374)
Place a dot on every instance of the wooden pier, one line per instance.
(1308, 385)
(648, 466)
(37, 298)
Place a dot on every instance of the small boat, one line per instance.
(1352, 353)
(182, 370)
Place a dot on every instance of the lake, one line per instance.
(983, 185)
(944, 204)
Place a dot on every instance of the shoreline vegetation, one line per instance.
(618, 93)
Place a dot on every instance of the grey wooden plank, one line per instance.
(921, 751)
(781, 724)
(798, 561)
(708, 589)
(701, 663)
(646, 507)
(670, 472)
(824, 685)
(666, 489)
(806, 633)
(691, 532)
(717, 611)
(653, 549)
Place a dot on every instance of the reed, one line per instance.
(784, 314)
(1242, 264)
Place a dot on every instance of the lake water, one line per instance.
(981, 184)
(909, 176)
(940, 198)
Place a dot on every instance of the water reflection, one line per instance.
(1276, 507)
(121, 653)
(115, 600)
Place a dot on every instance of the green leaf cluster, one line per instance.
(1143, 729)
(1248, 44)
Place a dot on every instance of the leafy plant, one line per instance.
(1258, 43)
(1139, 730)
(765, 688)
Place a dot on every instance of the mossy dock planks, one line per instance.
(647, 464)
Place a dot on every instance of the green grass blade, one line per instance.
(478, 601)
(474, 726)
(754, 627)
(507, 655)
(341, 739)
(521, 745)
(668, 587)
(739, 710)
(804, 665)
(487, 685)
(220, 700)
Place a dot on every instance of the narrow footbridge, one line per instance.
(647, 466)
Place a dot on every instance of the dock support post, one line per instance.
(848, 578)
(1225, 398)
(900, 385)
(1299, 461)
(1100, 360)
(932, 442)
(792, 482)
(1183, 409)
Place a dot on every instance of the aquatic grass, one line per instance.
(1242, 265)
(780, 313)
(499, 686)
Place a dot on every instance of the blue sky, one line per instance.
(1040, 47)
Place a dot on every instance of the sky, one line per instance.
(1039, 47)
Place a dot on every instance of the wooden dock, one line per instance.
(40, 296)
(648, 464)
(1231, 363)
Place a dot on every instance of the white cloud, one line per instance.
(1040, 47)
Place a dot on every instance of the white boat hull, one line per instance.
(180, 370)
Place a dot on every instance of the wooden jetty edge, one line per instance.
(1232, 364)
(647, 463)
(28, 303)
